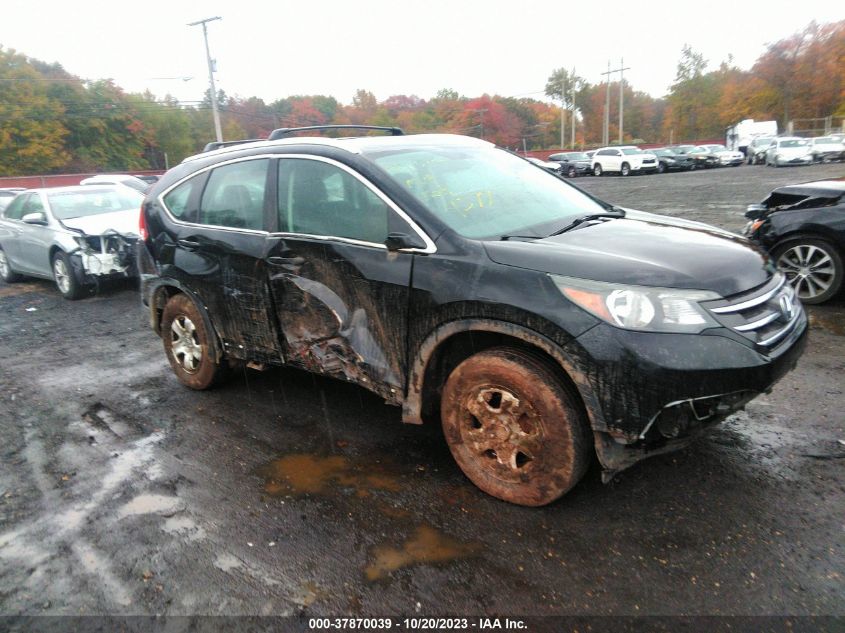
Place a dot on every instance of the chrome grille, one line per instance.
(764, 315)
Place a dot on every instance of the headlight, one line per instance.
(641, 308)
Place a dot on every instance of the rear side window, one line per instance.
(15, 209)
(179, 198)
(234, 195)
(317, 198)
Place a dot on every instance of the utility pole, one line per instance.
(606, 136)
(572, 103)
(605, 133)
(622, 70)
(217, 129)
(563, 125)
(481, 111)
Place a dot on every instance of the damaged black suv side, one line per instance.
(538, 324)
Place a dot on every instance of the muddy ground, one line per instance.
(285, 493)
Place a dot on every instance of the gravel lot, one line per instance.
(283, 493)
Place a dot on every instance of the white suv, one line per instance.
(625, 159)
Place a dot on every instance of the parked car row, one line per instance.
(780, 151)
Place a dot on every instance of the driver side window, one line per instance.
(318, 198)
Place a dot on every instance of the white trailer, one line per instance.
(738, 136)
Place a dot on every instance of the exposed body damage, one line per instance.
(109, 255)
(589, 333)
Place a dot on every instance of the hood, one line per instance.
(646, 250)
(123, 222)
(802, 150)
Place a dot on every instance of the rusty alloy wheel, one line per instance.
(514, 428)
(188, 345)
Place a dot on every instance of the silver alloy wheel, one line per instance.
(809, 269)
(4, 265)
(60, 272)
(185, 345)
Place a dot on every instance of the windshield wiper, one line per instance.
(505, 238)
(613, 212)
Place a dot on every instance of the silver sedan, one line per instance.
(73, 235)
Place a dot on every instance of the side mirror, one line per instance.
(35, 218)
(398, 241)
(755, 211)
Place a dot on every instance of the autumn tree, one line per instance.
(31, 130)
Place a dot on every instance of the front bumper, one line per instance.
(798, 160)
(656, 392)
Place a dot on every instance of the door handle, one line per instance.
(285, 261)
(190, 245)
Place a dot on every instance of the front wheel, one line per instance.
(188, 344)
(597, 170)
(625, 170)
(65, 279)
(813, 267)
(571, 172)
(661, 168)
(514, 428)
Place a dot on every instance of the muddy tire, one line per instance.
(6, 272)
(812, 266)
(188, 345)
(516, 430)
(66, 281)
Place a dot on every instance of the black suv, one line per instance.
(538, 324)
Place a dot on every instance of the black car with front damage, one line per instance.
(573, 164)
(803, 227)
(537, 324)
(701, 157)
(669, 160)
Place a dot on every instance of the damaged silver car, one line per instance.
(77, 236)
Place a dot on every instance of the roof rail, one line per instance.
(210, 147)
(285, 131)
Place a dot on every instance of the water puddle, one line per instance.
(832, 322)
(149, 504)
(184, 526)
(300, 474)
(426, 546)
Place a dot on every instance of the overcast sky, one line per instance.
(332, 47)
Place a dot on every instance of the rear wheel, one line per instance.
(597, 170)
(514, 428)
(188, 344)
(813, 267)
(6, 272)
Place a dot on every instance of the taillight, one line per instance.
(142, 225)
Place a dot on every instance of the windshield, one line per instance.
(79, 203)
(577, 156)
(757, 142)
(793, 143)
(632, 150)
(717, 148)
(484, 192)
(662, 152)
(825, 140)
